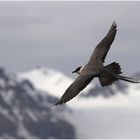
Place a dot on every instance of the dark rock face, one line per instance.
(7, 126)
(24, 112)
(43, 129)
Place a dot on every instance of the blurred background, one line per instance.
(41, 43)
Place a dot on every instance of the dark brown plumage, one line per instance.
(74, 89)
(103, 47)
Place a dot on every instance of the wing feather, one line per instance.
(101, 50)
(74, 89)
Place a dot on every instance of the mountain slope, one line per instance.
(94, 115)
(24, 111)
(55, 83)
(47, 80)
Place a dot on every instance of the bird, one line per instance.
(95, 68)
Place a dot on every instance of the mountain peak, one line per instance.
(24, 111)
(46, 79)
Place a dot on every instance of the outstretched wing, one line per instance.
(101, 50)
(74, 89)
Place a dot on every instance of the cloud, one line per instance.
(45, 32)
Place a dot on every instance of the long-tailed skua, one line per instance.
(94, 68)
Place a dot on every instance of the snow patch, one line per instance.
(50, 81)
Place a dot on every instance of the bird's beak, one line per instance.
(74, 71)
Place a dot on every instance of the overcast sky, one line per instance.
(62, 35)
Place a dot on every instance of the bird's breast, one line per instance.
(91, 70)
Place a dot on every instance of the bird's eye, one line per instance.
(78, 69)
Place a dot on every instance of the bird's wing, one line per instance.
(74, 89)
(101, 50)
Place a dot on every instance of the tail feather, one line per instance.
(114, 67)
(111, 73)
(127, 79)
(105, 78)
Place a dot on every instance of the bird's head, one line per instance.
(78, 70)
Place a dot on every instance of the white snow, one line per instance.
(8, 97)
(21, 130)
(55, 83)
(115, 117)
(31, 115)
(5, 113)
(48, 80)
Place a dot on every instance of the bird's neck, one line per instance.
(81, 69)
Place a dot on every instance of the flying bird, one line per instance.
(95, 68)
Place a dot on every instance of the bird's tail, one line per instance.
(111, 73)
(106, 78)
(114, 68)
(127, 79)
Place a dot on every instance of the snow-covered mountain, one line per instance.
(24, 111)
(48, 80)
(94, 115)
(55, 83)
(25, 98)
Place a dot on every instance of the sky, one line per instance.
(63, 35)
